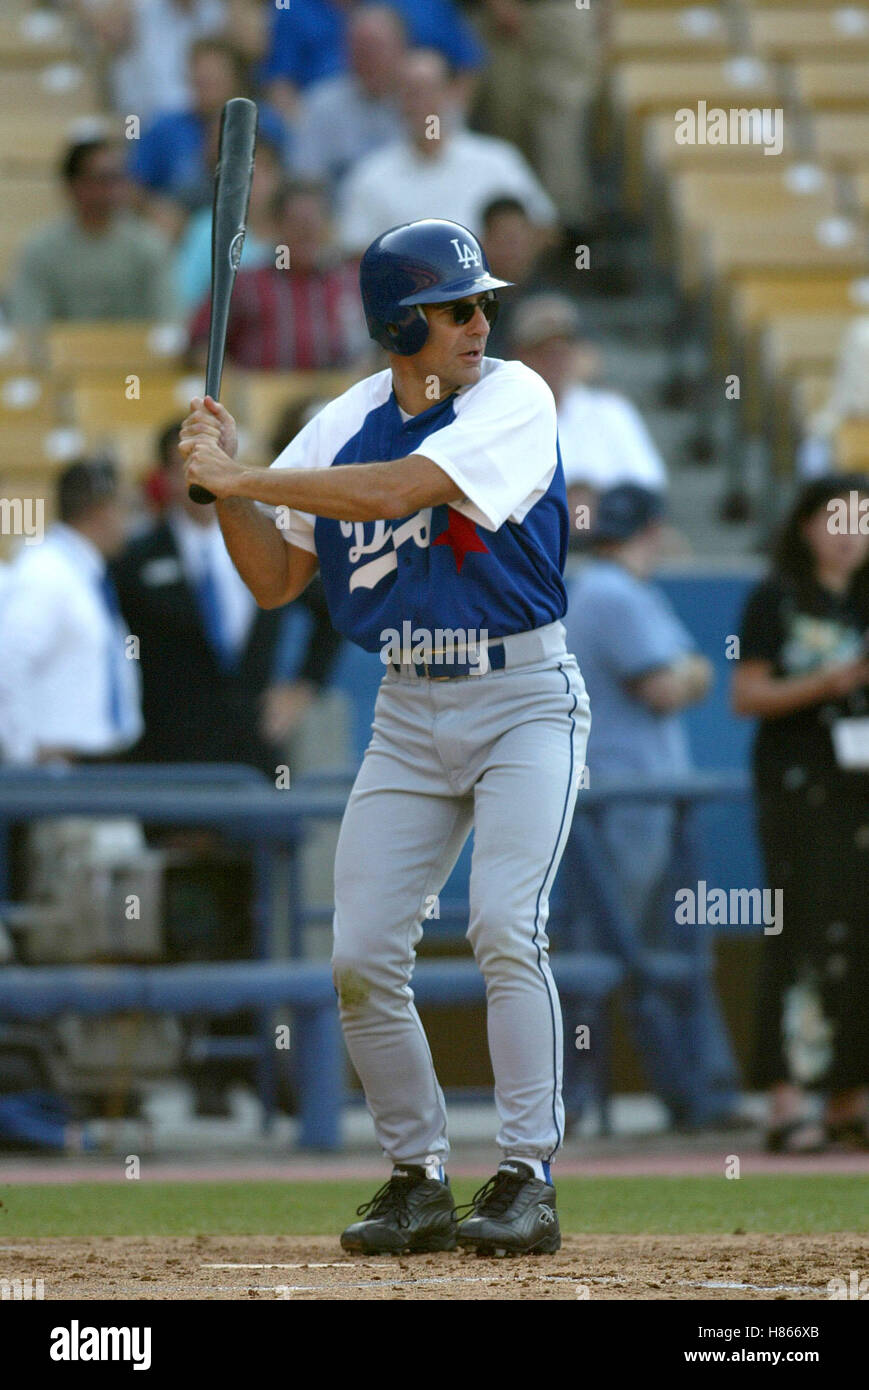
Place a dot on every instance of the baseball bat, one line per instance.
(232, 181)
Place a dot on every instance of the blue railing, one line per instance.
(245, 806)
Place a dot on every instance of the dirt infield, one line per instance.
(750, 1267)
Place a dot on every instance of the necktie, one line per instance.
(113, 608)
(212, 614)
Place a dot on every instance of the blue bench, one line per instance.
(29, 992)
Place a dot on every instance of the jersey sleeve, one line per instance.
(304, 451)
(501, 448)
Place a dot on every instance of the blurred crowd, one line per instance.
(371, 115)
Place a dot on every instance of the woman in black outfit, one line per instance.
(804, 674)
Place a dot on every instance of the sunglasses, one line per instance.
(463, 311)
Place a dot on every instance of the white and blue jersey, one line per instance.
(491, 561)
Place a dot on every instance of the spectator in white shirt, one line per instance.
(67, 688)
(604, 442)
(436, 169)
(341, 119)
(148, 44)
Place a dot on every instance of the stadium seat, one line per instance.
(840, 139)
(121, 348)
(698, 195)
(754, 300)
(26, 200)
(791, 344)
(634, 5)
(852, 445)
(258, 399)
(786, 33)
(58, 91)
(102, 405)
(757, 294)
(130, 446)
(32, 37)
(756, 203)
(640, 88)
(31, 449)
(789, 4)
(730, 251)
(665, 33)
(831, 86)
(127, 428)
(803, 341)
(810, 391)
(860, 187)
(26, 399)
(660, 155)
(28, 146)
(19, 349)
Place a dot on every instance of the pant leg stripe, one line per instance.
(541, 890)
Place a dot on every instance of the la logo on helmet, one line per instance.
(467, 256)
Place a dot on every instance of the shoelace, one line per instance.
(495, 1196)
(391, 1198)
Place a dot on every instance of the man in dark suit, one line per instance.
(208, 655)
(215, 688)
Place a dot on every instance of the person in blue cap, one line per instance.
(642, 670)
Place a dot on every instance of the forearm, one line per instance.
(696, 677)
(256, 548)
(773, 697)
(673, 687)
(377, 491)
(355, 492)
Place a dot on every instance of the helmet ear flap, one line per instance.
(407, 334)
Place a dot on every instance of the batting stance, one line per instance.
(431, 494)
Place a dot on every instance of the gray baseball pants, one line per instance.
(502, 753)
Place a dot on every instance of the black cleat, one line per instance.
(410, 1214)
(513, 1214)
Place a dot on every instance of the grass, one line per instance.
(632, 1206)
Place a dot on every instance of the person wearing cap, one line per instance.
(642, 670)
(604, 442)
(524, 253)
(67, 689)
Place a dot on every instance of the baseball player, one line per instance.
(432, 497)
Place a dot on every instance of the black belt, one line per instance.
(444, 668)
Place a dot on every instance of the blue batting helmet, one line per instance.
(427, 262)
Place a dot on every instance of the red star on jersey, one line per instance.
(461, 535)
